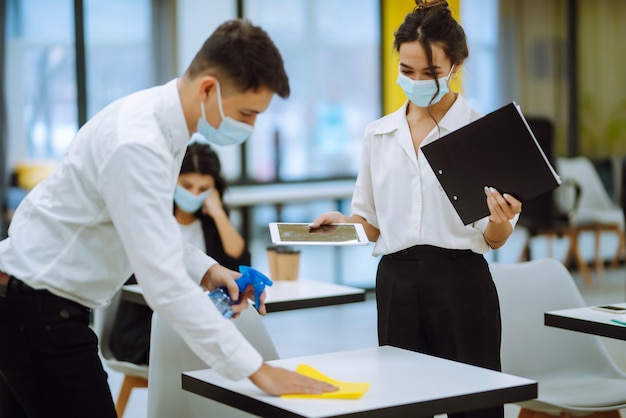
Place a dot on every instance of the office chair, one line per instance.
(548, 214)
(170, 356)
(575, 373)
(135, 375)
(595, 210)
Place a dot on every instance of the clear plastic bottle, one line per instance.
(222, 301)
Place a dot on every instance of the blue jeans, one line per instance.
(49, 363)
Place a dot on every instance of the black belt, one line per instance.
(429, 252)
(12, 286)
(9, 284)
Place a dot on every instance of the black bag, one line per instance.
(130, 335)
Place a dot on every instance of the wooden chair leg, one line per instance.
(574, 252)
(129, 383)
(598, 259)
(621, 248)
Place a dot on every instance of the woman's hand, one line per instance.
(502, 207)
(334, 217)
(328, 218)
(212, 205)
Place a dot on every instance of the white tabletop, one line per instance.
(286, 295)
(259, 194)
(403, 384)
(588, 320)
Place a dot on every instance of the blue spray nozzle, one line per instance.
(258, 280)
(249, 276)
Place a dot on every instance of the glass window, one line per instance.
(481, 73)
(40, 82)
(41, 68)
(331, 51)
(119, 61)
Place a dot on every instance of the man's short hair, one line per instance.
(245, 55)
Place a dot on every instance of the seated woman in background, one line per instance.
(204, 222)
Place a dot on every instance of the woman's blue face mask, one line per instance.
(421, 92)
(230, 131)
(188, 201)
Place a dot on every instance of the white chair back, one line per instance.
(102, 325)
(594, 204)
(562, 361)
(170, 356)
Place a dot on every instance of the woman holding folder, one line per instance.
(433, 286)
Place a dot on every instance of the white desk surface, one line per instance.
(587, 320)
(403, 384)
(287, 295)
(242, 196)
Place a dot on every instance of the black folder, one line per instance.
(498, 150)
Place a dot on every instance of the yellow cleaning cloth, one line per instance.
(347, 390)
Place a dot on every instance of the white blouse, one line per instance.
(397, 192)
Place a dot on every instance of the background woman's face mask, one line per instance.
(188, 201)
(420, 92)
(230, 131)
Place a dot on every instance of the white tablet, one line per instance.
(285, 233)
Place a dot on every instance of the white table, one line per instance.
(403, 384)
(286, 295)
(280, 193)
(246, 197)
(588, 320)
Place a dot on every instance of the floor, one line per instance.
(345, 327)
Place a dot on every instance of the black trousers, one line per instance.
(443, 303)
(49, 363)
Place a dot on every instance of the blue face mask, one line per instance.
(230, 131)
(420, 92)
(188, 201)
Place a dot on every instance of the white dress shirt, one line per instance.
(397, 192)
(105, 212)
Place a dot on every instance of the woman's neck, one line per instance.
(438, 110)
(184, 218)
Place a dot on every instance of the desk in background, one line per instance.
(244, 198)
(286, 295)
(588, 320)
(403, 384)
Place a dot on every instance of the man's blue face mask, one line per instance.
(230, 131)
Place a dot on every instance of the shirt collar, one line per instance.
(457, 116)
(175, 117)
(390, 123)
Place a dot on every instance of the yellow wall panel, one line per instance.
(392, 14)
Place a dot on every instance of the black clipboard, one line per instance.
(498, 150)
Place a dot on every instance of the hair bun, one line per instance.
(426, 4)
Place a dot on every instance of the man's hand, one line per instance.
(218, 275)
(279, 381)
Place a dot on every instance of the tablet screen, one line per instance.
(300, 233)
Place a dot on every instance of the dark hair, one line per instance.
(201, 158)
(244, 54)
(432, 23)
